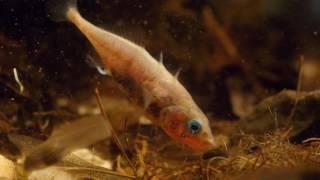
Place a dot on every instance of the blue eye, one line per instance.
(194, 126)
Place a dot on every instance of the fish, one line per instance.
(64, 140)
(166, 101)
(71, 166)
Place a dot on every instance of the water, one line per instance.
(236, 57)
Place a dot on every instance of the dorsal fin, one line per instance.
(178, 73)
(161, 58)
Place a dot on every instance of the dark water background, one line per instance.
(269, 35)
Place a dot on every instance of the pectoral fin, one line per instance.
(94, 61)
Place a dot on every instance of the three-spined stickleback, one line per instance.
(166, 101)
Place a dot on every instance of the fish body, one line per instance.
(166, 101)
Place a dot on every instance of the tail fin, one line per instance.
(57, 9)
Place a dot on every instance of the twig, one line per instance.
(181, 172)
(311, 140)
(209, 164)
(16, 77)
(219, 33)
(107, 171)
(114, 134)
(293, 110)
(276, 122)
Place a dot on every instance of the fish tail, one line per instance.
(59, 10)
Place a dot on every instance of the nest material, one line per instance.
(249, 155)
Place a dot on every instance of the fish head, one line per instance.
(188, 127)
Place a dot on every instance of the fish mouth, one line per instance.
(201, 146)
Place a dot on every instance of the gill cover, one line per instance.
(173, 120)
(187, 127)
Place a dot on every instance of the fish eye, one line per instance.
(194, 126)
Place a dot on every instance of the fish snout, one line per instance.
(210, 144)
(201, 146)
